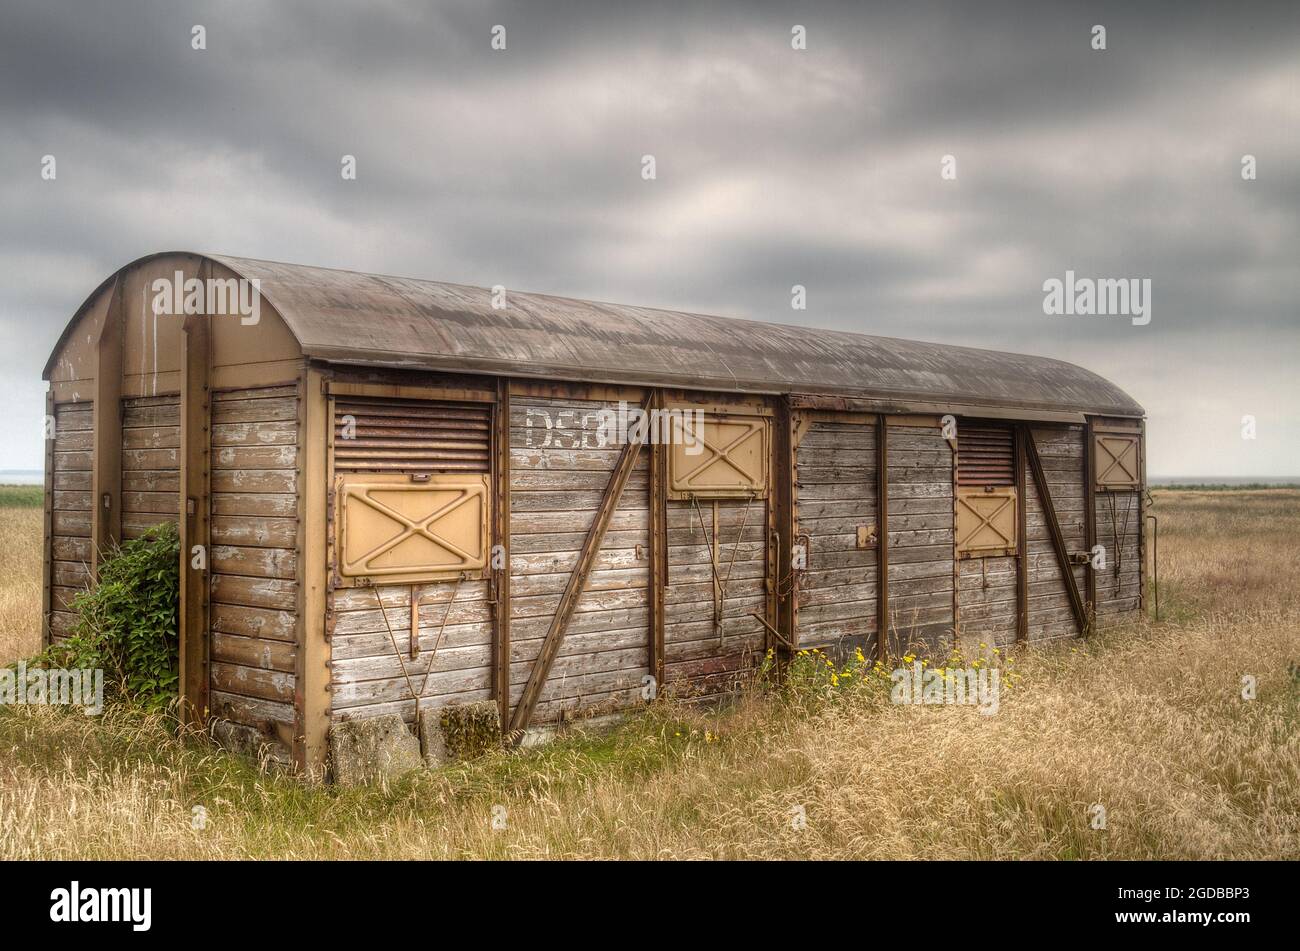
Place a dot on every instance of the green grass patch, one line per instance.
(22, 496)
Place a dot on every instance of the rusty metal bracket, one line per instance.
(781, 637)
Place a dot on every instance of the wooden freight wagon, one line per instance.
(403, 492)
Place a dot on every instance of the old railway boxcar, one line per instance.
(407, 493)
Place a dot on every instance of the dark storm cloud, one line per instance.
(776, 167)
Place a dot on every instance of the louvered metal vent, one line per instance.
(394, 435)
(985, 455)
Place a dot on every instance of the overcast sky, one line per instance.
(774, 166)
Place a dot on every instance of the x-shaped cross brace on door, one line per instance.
(1126, 446)
(722, 454)
(986, 521)
(413, 527)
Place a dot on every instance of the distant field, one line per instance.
(1147, 721)
(1220, 486)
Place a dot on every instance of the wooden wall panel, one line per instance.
(70, 555)
(987, 602)
(1119, 524)
(1061, 452)
(374, 669)
(558, 474)
(1119, 529)
(987, 586)
(836, 489)
(453, 663)
(699, 657)
(920, 537)
(151, 437)
(253, 561)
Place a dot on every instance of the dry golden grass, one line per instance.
(20, 581)
(1147, 721)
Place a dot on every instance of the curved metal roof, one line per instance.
(348, 317)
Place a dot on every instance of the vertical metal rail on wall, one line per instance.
(1090, 520)
(782, 634)
(312, 695)
(1022, 537)
(658, 500)
(195, 516)
(882, 537)
(956, 563)
(500, 574)
(47, 564)
(1143, 496)
(106, 454)
(331, 555)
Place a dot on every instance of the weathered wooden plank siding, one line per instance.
(370, 648)
(151, 437)
(70, 519)
(987, 603)
(1118, 530)
(253, 559)
(987, 586)
(701, 657)
(836, 492)
(920, 538)
(558, 474)
(1061, 451)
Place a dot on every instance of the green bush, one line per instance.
(127, 623)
